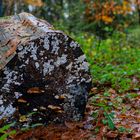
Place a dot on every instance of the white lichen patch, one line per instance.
(81, 64)
(27, 61)
(84, 66)
(80, 59)
(55, 46)
(88, 80)
(69, 67)
(10, 78)
(22, 53)
(74, 44)
(6, 71)
(70, 79)
(47, 67)
(20, 47)
(1, 102)
(41, 53)
(34, 56)
(22, 66)
(17, 95)
(6, 111)
(36, 65)
(34, 52)
(61, 60)
(46, 43)
(66, 38)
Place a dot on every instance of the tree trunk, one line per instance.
(138, 15)
(0, 8)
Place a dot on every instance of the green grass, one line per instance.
(114, 61)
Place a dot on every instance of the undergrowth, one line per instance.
(114, 62)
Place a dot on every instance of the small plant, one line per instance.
(108, 117)
(109, 120)
(123, 129)
(5, 131)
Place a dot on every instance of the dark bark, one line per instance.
(139, 15)
(0, 8)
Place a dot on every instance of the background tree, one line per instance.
(104, 16)
(0, 8)
(137, 3)
(100, 17)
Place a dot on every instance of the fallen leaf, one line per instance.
(112, 91)
(112, 134)
(70, 125)
(137, 136)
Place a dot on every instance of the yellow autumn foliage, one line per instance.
(106, 12)
(37, 3)
(107, 19)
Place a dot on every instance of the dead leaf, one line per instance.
(70, 125)
(137, 136)
(112, 91)
(112, 134)
(94, 90)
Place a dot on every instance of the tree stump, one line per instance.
(44, 74)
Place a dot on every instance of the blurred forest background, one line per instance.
(101, 17)
(109, 34)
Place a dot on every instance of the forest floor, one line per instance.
(99, 123)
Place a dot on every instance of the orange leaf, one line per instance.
(107, 19)
(37, 3)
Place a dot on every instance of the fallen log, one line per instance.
(44, 73)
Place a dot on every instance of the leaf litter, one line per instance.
(108, 116)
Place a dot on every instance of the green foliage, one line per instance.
(108, 117)
(109, 120)
(6, 132)
(113, 61)
(71, 18)
(123, 129)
